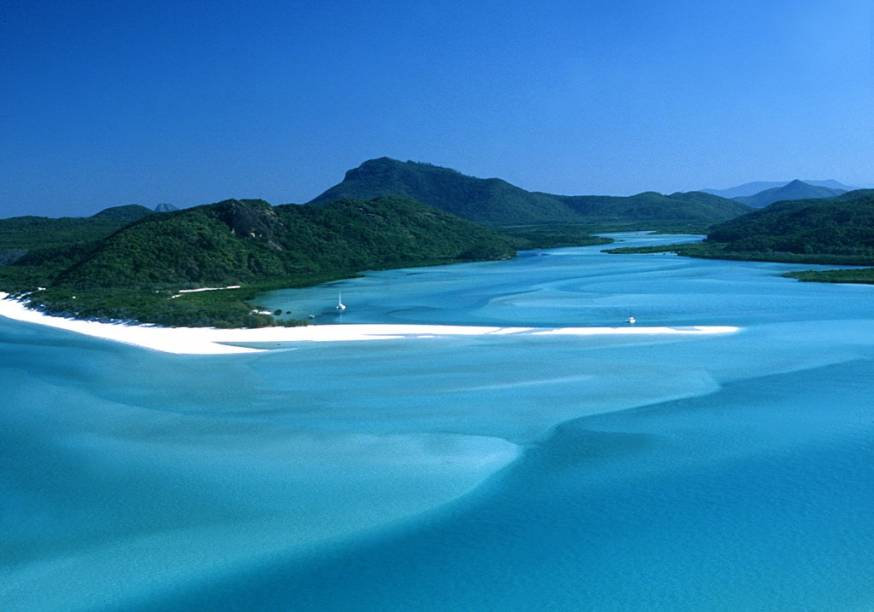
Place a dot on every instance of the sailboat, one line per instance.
(341, 307)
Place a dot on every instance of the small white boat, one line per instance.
(632, 320)
(341, 307)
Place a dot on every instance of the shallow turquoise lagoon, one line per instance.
(481, 473)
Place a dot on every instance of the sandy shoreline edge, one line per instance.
(213, 341)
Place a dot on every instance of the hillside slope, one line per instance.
(841, 226)
(693, 209)
(497, 202)
(492, 201)
(135, 273)
(838, 231)
(248, 241)
(751, 189)
(794, 190)
(18, 235)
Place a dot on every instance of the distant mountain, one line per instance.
(126, 261)
(497, 202)
(819, 229)
(833, 184)
(692, 208)
(165, 207)
(794, 190)
(492, 201)
(749, 189)
(838, 231)
(124, 214)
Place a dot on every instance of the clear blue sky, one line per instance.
(103, 103)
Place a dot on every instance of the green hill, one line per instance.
(836, 231)
(837, 227)
(18, 235)
(133, 273)
(651, 210)
(239, 241)
(493, 201)
(126, 262)
(751, 189)
(794, 190)
(123, 214)
(497, 202)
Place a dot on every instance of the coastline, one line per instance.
(214, 341)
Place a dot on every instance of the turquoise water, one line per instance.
(484, 473)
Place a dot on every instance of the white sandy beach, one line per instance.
(212, 341)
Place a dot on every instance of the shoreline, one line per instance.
(214, 341)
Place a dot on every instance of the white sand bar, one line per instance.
(182, 292)
(212, 341)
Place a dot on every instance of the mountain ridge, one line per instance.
(18, 235)
(492, 200)
(497, 202)
(793, 190)
(839, 226)
(754, 187)
(832, 231)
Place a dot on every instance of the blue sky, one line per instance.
(106, 103)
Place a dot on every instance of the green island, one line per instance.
(836, 231)
(133, 264)
(497, 203)
(137, 272)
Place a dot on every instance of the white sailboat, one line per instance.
(341, 307)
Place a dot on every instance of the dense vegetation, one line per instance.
(492, 201)
(716, 250)
(132, 273)
(842, 226)
(794, 190)
(129, 263)
(864, 276)
(19, 235)
(497, 202)
(552, 236)
(238, 241)
(836, 231)
(692, 211)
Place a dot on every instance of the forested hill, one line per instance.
(19, 235)
(841, 226)
(248, 240)
(794, 190)
(836, 231)
(694, 209)
(492, 201)
(497, 202)
(124, 214)
(136, 272)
